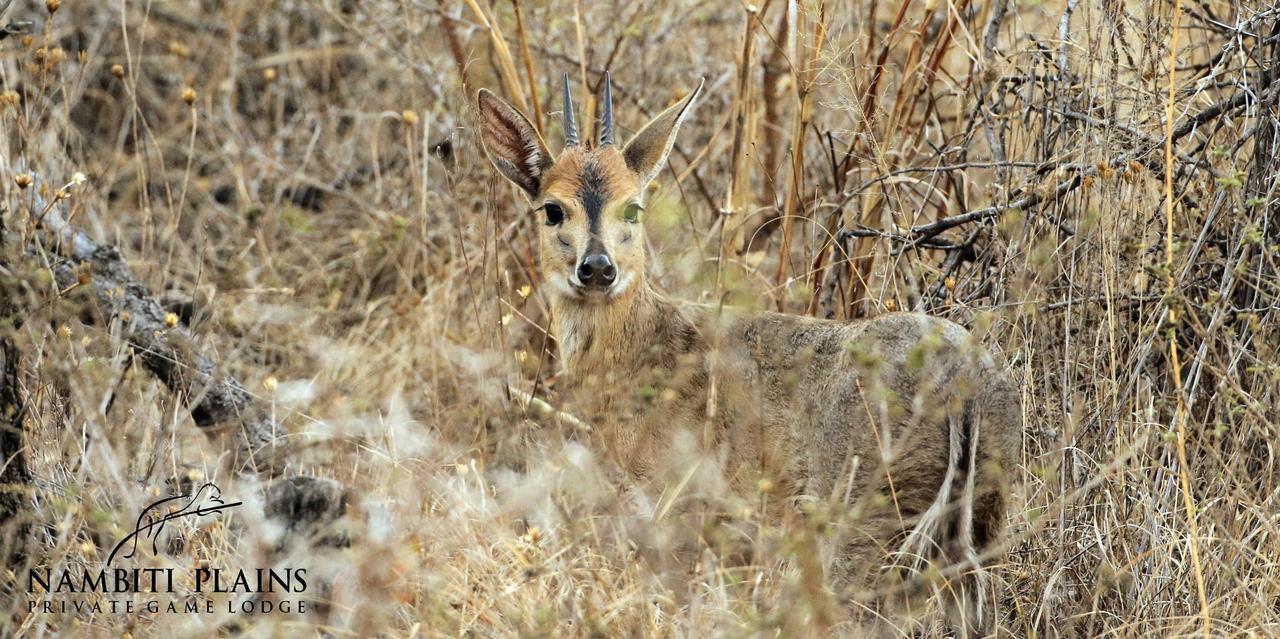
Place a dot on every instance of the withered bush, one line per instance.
(1089, 186)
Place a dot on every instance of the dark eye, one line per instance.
(632, 213)
(555, 214)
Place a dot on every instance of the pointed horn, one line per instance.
(570, 129)
(606, 118)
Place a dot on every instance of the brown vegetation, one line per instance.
(1089, 186)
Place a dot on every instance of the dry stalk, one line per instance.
(805, 74)
(739, 189)
(506, 66)
(1180, 412)
(536, 111)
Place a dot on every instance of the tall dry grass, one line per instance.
(1090, 186)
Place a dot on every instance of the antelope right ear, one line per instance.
(647, 151)
(512, 144)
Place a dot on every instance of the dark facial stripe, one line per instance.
(594, 247)
(592, 193)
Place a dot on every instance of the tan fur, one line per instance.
(902, 422)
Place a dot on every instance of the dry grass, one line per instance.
(323, 204)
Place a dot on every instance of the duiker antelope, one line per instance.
(903, 420)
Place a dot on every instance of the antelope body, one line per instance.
(902, 419)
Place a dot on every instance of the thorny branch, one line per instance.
(921, 235)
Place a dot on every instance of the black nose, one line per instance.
(597, 270)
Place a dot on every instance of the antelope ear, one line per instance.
(646, 153)
(512, 144)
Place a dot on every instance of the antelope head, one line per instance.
(590, 200)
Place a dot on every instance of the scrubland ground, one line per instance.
(302, 183)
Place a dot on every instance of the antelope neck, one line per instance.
(596, 337)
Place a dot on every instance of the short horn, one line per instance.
(570, 129)
(606, 118)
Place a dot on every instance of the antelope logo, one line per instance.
(206, 500)
(902, 421)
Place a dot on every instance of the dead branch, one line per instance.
(13, 468)
(308, 506)
(165, 347)
(531, 404)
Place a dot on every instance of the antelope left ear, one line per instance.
(646, 153)
(512, 144)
